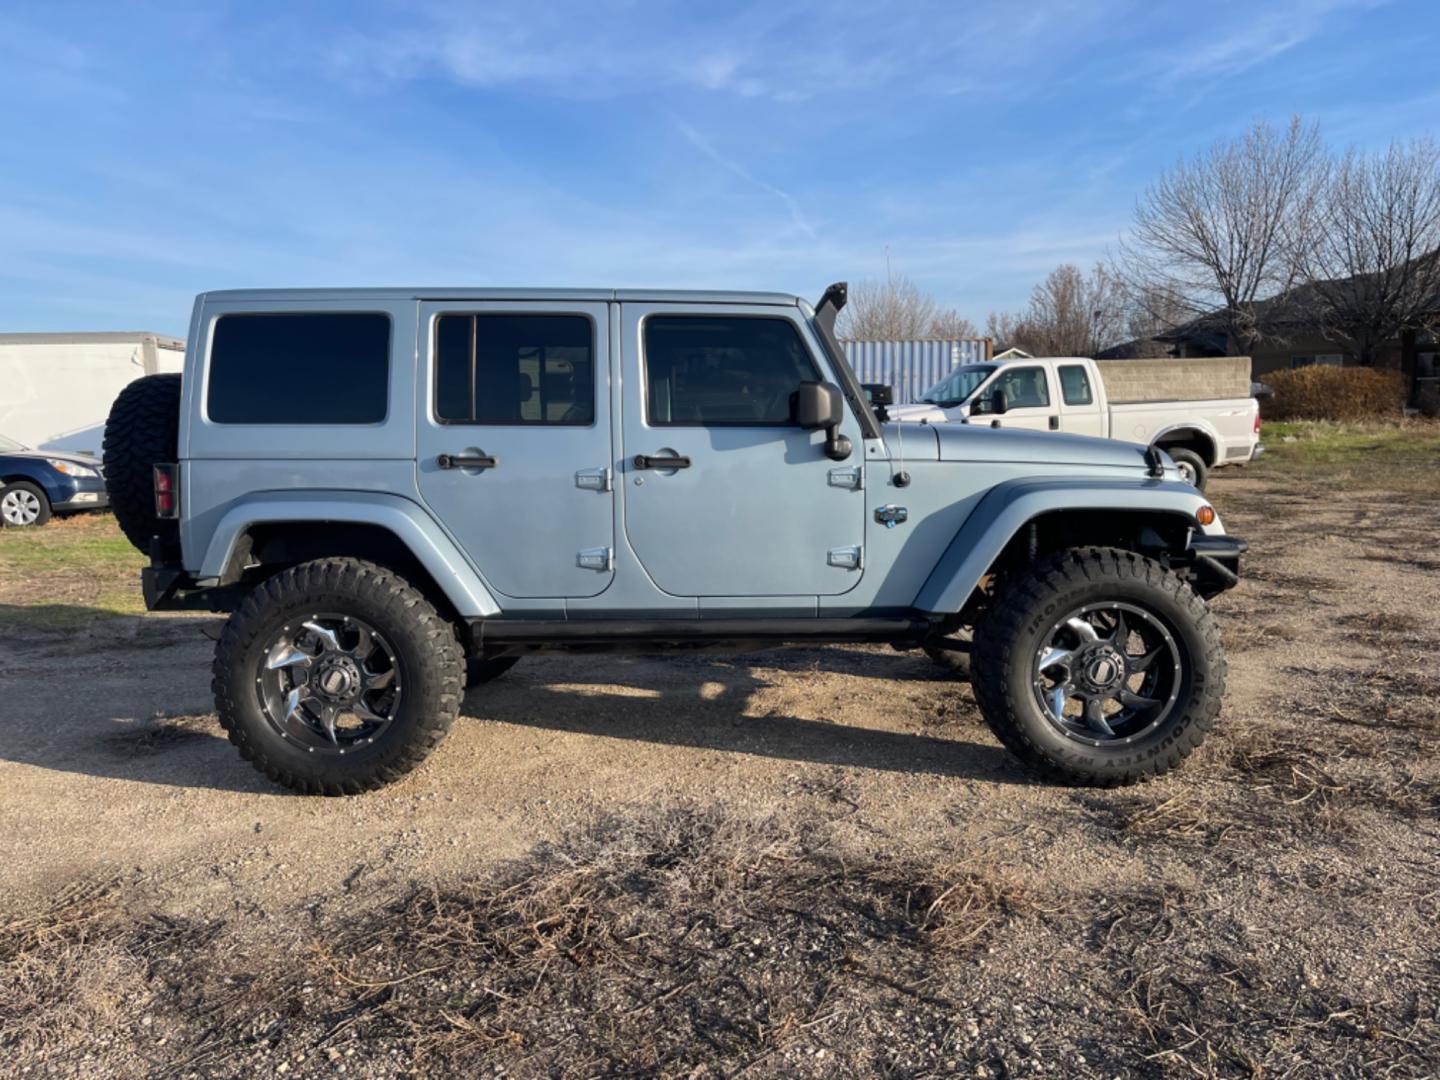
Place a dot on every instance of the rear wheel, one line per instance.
(336, 677)
(23, 505)
(1191, 465)
(1099, 667)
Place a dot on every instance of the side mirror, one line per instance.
(817, 406)
(999, 402)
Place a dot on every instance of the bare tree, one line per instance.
(1372, 262)
(1003, 328)
(1220, 231)
(896, 309)
(1069, 314)
(951, 325)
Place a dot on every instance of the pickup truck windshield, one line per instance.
(958, 385)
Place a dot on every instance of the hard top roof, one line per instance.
(683, 296)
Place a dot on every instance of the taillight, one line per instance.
(1257, 423)
(167, 492)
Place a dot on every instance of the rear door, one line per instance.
(753, 507)
(514, 441)
(1080, 410)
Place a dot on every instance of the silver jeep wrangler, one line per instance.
(399, 492)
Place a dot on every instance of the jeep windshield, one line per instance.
(958, 385)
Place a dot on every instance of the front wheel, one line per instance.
(337, 676)
(23, 505)
(1099, 667)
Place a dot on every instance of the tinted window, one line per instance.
(515, 369)
(722, 371)
(1025, 387)
(1075, 385)
(329, 368)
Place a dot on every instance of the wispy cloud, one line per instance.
(731, 165)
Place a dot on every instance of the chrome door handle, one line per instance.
(649, 461)
(467, 461)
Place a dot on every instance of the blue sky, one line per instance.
(150, 151)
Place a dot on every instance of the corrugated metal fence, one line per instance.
(912, 367)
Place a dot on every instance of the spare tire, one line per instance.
(143, 431)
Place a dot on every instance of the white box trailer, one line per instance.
(56, 389)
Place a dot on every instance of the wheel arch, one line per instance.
(1191, 435)
(279, 529)
(1022, 519)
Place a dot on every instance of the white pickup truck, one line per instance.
(1070, 394)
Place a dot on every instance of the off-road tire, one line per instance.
(1006, 643)
(479, 671)
(143, 431)
(425, 644)
(1194, 462)
(42, 514)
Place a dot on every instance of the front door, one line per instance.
(752, 506)
(1032, 405)
(514, 441)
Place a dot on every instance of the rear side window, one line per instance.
(1075, 385)
(322, 368)
(515, 369)
(730, 371)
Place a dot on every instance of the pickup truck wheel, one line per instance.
(23, 505)
(1099, 667)
(1191, 465)
(479, 671)
(336, 677)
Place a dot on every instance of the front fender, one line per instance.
(412, 525)
(1009, 506)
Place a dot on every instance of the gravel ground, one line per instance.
(799, 862)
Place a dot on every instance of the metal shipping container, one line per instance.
(912, 367)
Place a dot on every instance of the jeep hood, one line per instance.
(974, 442)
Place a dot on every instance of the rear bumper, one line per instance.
(1212, 563)
(1259, 450)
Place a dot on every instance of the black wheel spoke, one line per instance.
(1132, 700)
(329, 683)
(1086, 656)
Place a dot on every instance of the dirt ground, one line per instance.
(798, 862)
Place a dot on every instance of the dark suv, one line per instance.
(34, 484)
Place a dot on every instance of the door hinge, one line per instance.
(847, 477)
(848, 558)
(596, 559)
(593, 479)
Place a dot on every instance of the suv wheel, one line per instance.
(336, 677)
(22, 504)
(1099, 667)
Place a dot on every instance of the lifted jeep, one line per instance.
(395, 492)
